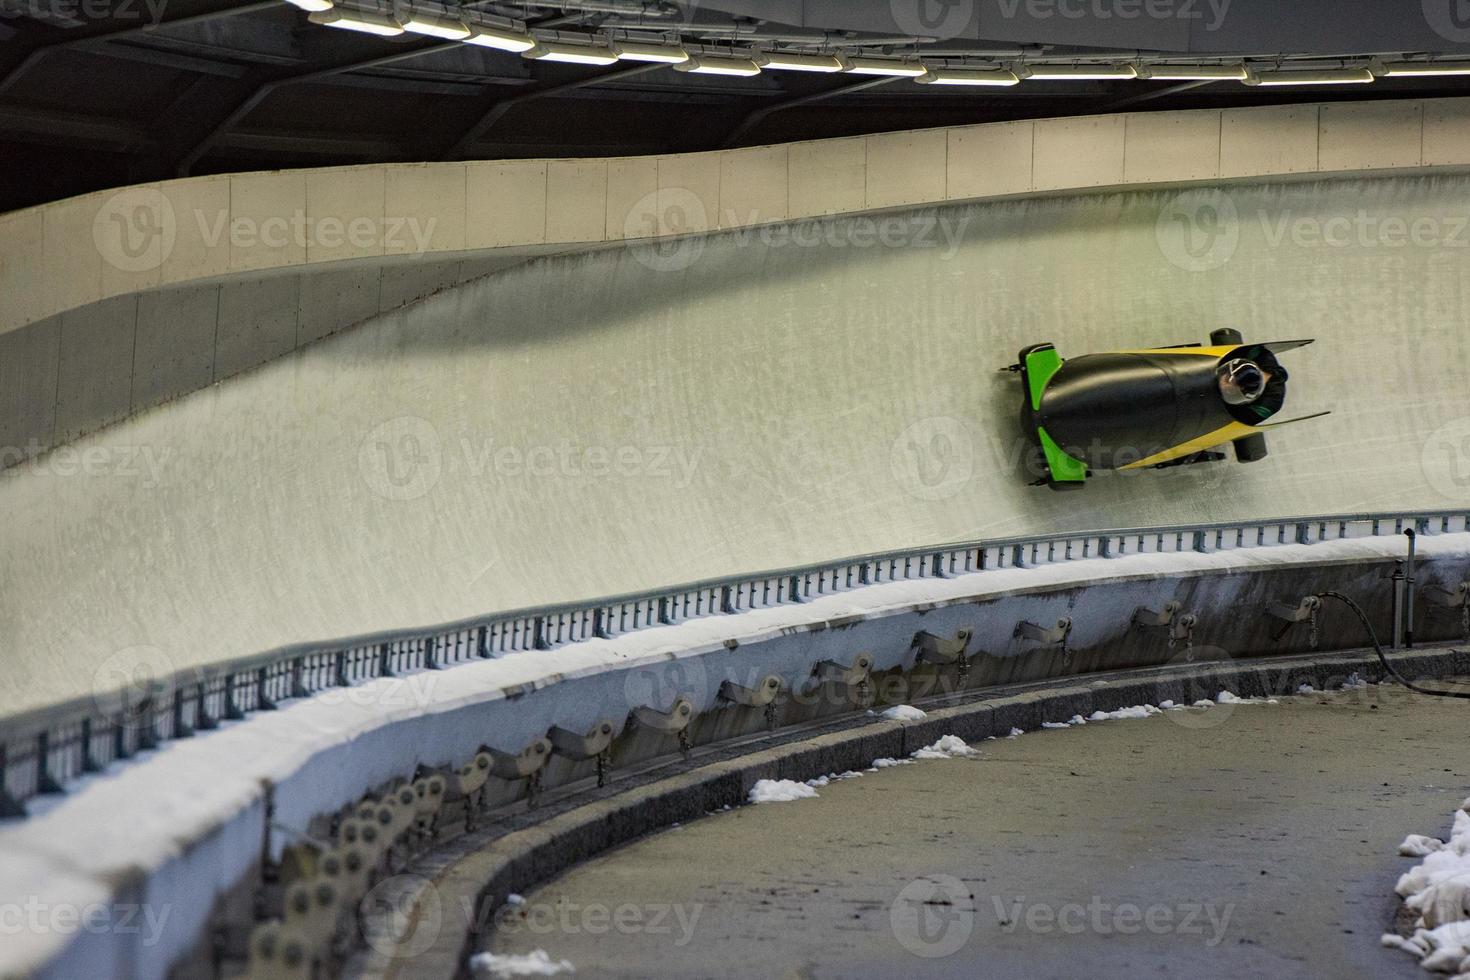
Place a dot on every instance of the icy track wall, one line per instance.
(624, 419)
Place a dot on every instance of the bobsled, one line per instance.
(1160, 407)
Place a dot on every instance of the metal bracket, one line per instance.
(852, 675)
(939, 650)
(1179, 624)
(1054, 637)
(1305, 611)
(581, 747)
(1446, 598)
(671, 722)
(760, 696)
(521, 764)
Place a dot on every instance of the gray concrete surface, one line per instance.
(595, 424)
(1253, 841)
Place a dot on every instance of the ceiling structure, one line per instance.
(104, 93)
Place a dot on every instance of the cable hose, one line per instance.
(1378, 648)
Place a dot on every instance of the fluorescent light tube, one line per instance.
(797, 62)
(1190, 73)
(358, 20)
(1326, 76)
(449, 28)
(710, 65)
(882, 66)
(1060, 73)
(1425, 69)
(968, 76)
(311, 5)
(503, 40)
(667, 54)
(573, 54)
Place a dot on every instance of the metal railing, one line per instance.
(43, 749)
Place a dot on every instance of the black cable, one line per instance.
(1378, 648)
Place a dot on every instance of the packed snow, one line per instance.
(1438, 889)
(533, 964)
(780, 791)
(904, 712)
(948, 747)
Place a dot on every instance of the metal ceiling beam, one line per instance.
(472, 135)
(759, 115)
(263, 92)
(40, 52)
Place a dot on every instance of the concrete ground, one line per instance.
(1254, 840)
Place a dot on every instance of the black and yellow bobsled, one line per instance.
(1167, 406)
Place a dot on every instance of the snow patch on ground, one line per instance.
(887, 763)
(904, 712)
(533, 964)
(948, 747)
(780, 791)
(831, 777)
(1438, 889)
(1123, 714)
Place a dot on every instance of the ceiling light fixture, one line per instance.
(1325, 76)
(1192, 73)
(703, 64)
(1075, 73)
(1425, 69)
(573, 54)
(968, 76)
(448, 28)
(668, 54)
(797, 62)
(882, 66)
(368, 22)
(311, 5)
(499, 38)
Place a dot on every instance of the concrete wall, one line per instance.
(71, 361)
(589, 425)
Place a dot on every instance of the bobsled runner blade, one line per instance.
(1280, 346)
(1299, 418)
